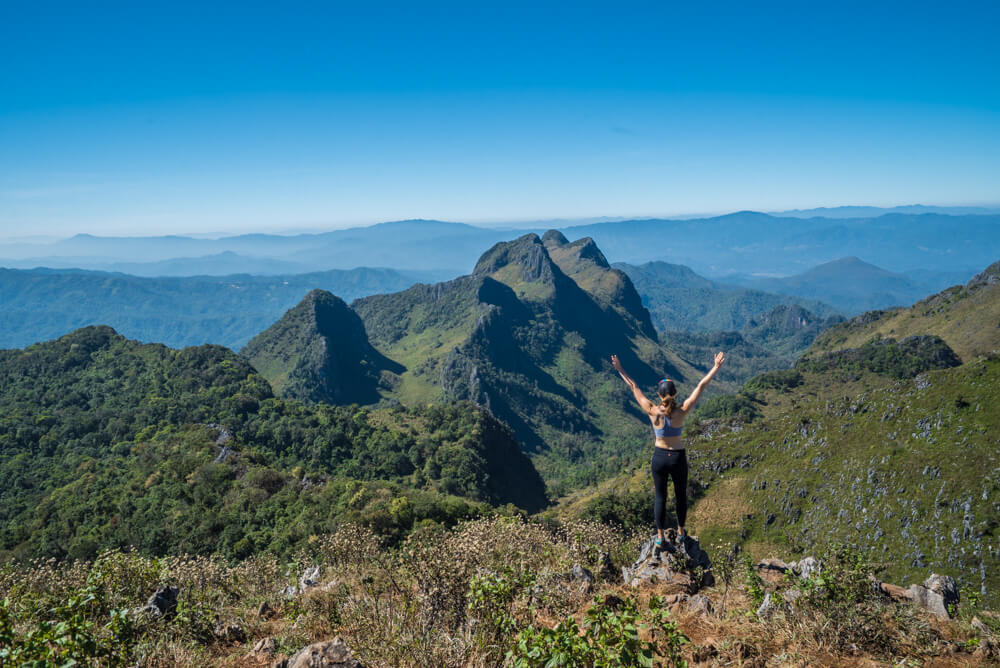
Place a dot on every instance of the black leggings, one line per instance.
(672, 463)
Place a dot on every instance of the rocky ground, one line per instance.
(488, 593)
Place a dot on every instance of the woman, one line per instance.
(669, 457)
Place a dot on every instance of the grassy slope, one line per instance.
(905, 471)
(966, 316)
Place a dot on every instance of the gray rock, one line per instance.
(766, 607)
(678, 563)
(310, 578)
(265, 647)
(807, 567)
(945, 587)
(229, 632)
(605, 569)
(700, 603)
(163, 603)
(928, 600)
(584, 577)
(328, 654)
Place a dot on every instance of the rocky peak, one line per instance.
(582, 251)
(526, 253)
(319, 351)
(554, 238)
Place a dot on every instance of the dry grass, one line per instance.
(410, 606)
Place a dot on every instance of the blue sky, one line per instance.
(221, 118)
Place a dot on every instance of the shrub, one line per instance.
(610, 638)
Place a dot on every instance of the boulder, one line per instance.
(310, 578)
(327, 654)
(700, 603)
(766, 607)
(681, 564)
(163, 603)
(605, 569)
(944, 586)
(265, 647)
(584, 577)
(929, 600)
(807, 567)
(229, 632)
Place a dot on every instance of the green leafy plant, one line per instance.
(610, 637)
(752, 582)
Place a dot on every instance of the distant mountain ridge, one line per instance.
(847, 283)
(679, 299)
(875, 211)
(744, 242)
(43, 304)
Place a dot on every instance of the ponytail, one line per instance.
(668, 395)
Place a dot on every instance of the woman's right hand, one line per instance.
(720, 357)
(616, 363)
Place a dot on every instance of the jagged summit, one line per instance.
(583, 250)
(529, 336)
(554, 237)
(584, 262)
(319, 351)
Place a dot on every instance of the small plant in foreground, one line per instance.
(754, 585)
(610, 638)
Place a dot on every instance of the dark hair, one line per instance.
(668, 395)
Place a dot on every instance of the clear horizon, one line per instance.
(525, 224)
(139, 121)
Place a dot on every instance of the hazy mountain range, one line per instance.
(42, 304)
(744, 243)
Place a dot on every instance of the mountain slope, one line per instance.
(521, 337)
(318, 351)
(966, 316)
(107, 443)
(679, 299)
(888, 446)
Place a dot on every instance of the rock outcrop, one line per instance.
(327, 654)
(680, 564)
(937, 594)
(163, 603)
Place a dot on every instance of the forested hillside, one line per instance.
(105, 442)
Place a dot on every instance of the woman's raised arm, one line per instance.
(693, 399)
(645, 403)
